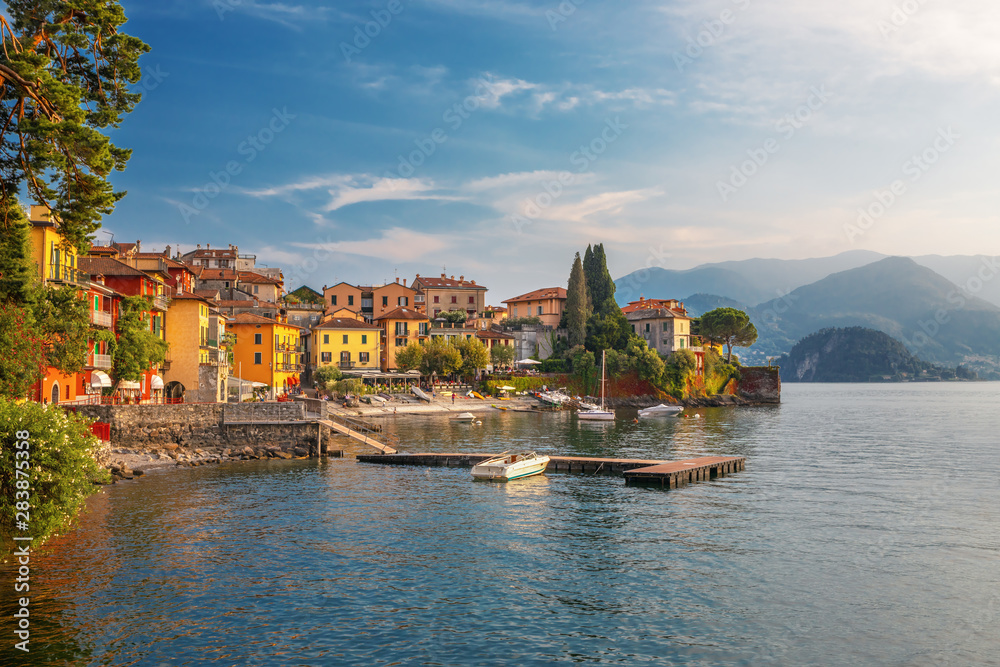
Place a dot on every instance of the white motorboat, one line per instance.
(598, 414)
(507, 466)
(661, 410)
(464, 417)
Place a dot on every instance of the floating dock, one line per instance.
(665, 474)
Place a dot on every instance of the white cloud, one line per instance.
(347, 189)
(397, 244)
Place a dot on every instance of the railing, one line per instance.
(100, 318)
(365, 428)
(100, 360)
(346, 365)
(160, 303)
(213, 342)
(216, 357)
(291, 368)
(67, 274)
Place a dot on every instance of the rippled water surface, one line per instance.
(864, 530)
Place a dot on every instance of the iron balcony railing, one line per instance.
(100, 360)
(160, 303)
(67, 274)
(100, 318)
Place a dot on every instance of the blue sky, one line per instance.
(494, 138)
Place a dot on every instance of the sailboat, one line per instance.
(599, 414)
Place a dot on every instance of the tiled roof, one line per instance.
(250, 318)
(445, 282)
(187, 296)
(647, 304)
(499, 335)
(102, 250)
(402, 314)
(210, 294)
(205, 273)
(345, 323)
(107, 266)
(251, 277)
(654, 314)
(539, 294)
(212, 253)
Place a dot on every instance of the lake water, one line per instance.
(864, 530)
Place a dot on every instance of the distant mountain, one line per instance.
(660, 283)
(854, 354)
(699, 304)
(756, 280)
(912, 303)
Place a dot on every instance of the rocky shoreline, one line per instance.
(127, 463)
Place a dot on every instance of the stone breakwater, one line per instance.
(144, 436)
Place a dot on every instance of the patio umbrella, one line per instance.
(508, 388)
(527, 362)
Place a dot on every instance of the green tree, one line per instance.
(138, 348)
(65, 71)
(647, 362)
(410, 357)
(22, 362)
(17, 270)
(325, 377)
(62, 319)
(577, 309)
(455, 316)
(502, 355)
(728, 326)
(475, 356)
(63, 469)
(584, 368)
(440, 358)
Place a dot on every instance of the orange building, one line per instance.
(400, 327)
(266, 351)
(444, 294)
(546, 304)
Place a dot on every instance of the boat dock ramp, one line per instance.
(664, 474)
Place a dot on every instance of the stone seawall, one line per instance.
(204, 425)
(760, 384)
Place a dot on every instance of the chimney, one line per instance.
(404, 282)
(444, 275)
(462, 278)
(397, 280)
(453, 277)
(166, 253)
(199, 246)
(473, 282)
(208, 246)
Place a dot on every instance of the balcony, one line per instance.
(67, 274)
(100, 361)
(160, 303)
(216, 357)
(346, 365)
(291, 368)
(100, 318)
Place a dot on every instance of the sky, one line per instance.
(363, 141)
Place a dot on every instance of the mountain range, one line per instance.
(907, 298)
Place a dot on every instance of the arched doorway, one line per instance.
(174, 390)
(55, 393)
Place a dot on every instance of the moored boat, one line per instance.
(661, 410)
(464, 417)
(594, 413)
(507, 466)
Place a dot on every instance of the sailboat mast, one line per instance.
(604, 356)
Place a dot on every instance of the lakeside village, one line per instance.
(216, 327)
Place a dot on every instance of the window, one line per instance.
(423, 328)
(665, 327)
(402, 329)
(256, 288)
(326, 357)
(437, 299)
(515, 311)
(333, 300)
(256, 358)
(226, 284)
(472, 299)
(385, 301)
(437, 311)
(470, 312)
(363, 357)
(403, 301)
(345, 357)
(366, 304)
(454, 299)
(647, 327)
(326, 339)
(400, 342)
(539, 310)
(350, 299)
(97, 302)
(345, 339)
(364, 339)
(681, 343)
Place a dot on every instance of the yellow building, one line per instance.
(56, 262)
(347, 343)
(195, 351)
(266, 351)
(400, 327)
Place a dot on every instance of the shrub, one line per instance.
(61, 467)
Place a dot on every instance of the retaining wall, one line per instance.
(760, 384)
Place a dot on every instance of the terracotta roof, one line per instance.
(539, 294)
(250, 318)
(654, 313)
(212, 252)
(102, 249)
(107, 266)
(402, 314)
(499, 335)
(205, 273)
(345, 323)
(187, 296)
(647, 304)
(252, 277)
(236, 303)
(447, 283)
(211, 294)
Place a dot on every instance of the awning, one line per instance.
(508, 388)
(527, 362)
(128, 385)
(156, 382)
(99, 379)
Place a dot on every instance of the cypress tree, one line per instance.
(17, 275)
(577, 305)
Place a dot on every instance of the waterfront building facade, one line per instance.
(546, 304)
(400, 327)
(266, 351)
(444, 294)
(347, 343)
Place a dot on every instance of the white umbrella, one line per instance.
(507, 388)
(528, 362)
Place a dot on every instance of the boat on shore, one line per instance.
(464, 417)
(507, 466)
(661, 410)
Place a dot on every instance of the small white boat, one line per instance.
(507, 466)
(661, 410)
(595, 413)
(464, 417)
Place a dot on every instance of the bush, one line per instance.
(552, 365)
(61, 468)
(519, 383)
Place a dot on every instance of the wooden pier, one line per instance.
(636, 471)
